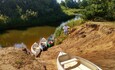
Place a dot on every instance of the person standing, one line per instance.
(65, 28)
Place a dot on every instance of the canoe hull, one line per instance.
(35, 49)
(81, 62)
(44, 41)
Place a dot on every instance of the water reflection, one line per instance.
(28, 36)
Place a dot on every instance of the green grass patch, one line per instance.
(70, 11)
(73, 23)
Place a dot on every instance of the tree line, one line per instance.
(15, 13)
(97, 10)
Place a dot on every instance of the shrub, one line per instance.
(99, 10)
(73, 23)
(3, 19)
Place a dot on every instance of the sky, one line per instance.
(59, 1)
(63, 0)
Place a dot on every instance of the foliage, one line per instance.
(58, 31)
(83, 4)
(69, 3)
(63, 3)
(3, 19)
(18, 13)
(28, 15)
(70, 11)
(73, 23)
(99, 10)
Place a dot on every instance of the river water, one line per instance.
(27, 36)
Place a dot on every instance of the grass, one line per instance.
(70, 11)
(59, 34)
(73, 23)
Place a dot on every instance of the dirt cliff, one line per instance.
(15, 59)
(94, 41)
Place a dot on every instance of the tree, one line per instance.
(83, 4)
(70, 3)
(99, 9)
(63, 3)
(111, 10)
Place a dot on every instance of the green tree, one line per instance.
(30, 13)
(99, 9)
(63, 3)
(70, 3)
(83, 4)
(111, 10)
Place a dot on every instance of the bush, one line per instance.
(58, 31)
(99, 19)
(3, 19)
(99, 10)
(73, 22)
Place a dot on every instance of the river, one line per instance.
(27, 36)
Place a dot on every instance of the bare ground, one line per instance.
(94, 41)
(14, 59)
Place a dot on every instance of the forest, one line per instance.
(25, 13)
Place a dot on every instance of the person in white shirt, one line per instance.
(65, 28)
